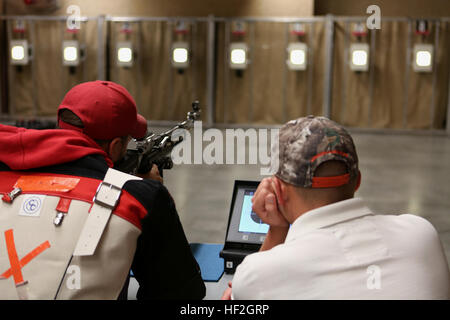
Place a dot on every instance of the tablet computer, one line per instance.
(245, 230)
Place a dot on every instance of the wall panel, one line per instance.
(161, 91)
(443, 72)
(267, 92)
(389, 8)
(38, 88)
(21, 88)
(390, 95)
(175, 8)
(350, 95)
(389, 77)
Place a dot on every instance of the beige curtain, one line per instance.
(401, 97)
(161, 91)
(389, 75)
(427, 92)
(350, 94)
(42, 94)
(233, 88)
(267, 92)
(268, 64)
(21, 101)
(443, 70)
(304, 89)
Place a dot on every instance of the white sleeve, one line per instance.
(246, 284)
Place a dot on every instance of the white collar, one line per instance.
(328, 215)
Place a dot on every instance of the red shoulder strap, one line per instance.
(69, 187)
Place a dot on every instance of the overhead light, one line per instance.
(423, 58)
(124, 54)
(297, 56)
(238, 55)
(18, 53)
(71, 53)
(19, 50)
(359, 57)
(180, 55)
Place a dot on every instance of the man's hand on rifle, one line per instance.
(152, 174)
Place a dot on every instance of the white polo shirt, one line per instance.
(344, 251)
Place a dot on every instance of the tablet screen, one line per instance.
(244, 225)
(250, 222)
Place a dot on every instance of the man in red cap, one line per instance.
(74, 226)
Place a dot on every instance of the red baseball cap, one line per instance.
(106, 109)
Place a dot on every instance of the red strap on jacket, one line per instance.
(128, 208)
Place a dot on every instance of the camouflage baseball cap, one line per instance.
(306, 143)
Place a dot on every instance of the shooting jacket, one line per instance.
(58, 173)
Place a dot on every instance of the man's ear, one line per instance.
(358, 182)
(284, 191)
(115, 149)
(280, 190)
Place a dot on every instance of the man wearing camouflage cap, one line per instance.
(325, 244)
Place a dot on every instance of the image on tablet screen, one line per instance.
(250, 222)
